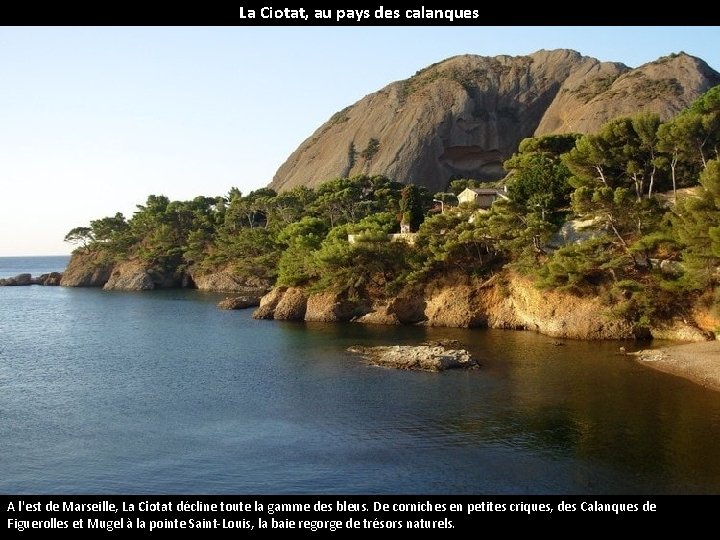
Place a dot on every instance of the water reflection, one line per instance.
(570, 401)
(162, 392)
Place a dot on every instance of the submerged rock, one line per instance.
(425, 357)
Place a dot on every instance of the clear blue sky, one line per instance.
(93, 120)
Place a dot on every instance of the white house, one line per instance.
(481, 197)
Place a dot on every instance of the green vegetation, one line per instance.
(539, 179)
(650, 254)
(594, 87)
(465, 76)
(341, 117)
(371, 149)
(421, 79)
(650, 89)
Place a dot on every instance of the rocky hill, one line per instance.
(461, 118)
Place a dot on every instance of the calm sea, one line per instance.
(161, 392)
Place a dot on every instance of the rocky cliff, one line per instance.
(588, 99)
(87, 269)
(454, 300)
(461, 118)
(97, 269)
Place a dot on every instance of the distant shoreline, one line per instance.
(697, 362)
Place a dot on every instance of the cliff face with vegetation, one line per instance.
(96, 269)
(463, 117)
(611, 234)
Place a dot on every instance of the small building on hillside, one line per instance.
(481, 197)
(406, 237)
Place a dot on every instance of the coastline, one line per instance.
(697, 362)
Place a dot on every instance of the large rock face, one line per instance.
(98, 269)
(87, 269)
(461, 118)
(227, 281)
(94, 269)
(129, 276)
(589, 98)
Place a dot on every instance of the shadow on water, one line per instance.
(563, 399)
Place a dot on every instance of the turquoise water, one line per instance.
(161, 392)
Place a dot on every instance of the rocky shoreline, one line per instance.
(49, 279)
(92, 269)
(453, 299)
(504, 301)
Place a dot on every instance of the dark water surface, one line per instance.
(161, 392)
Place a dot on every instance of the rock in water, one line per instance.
(239, 302)
(426, 357)
(52, 278)
(20, 279)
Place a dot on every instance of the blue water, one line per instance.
(161, 392)
(12, 266)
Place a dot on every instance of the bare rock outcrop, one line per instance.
(406, 308)
(707, 320)
(129, 276)
(589, 98)
(680, 330)
(283, 303)
(19, 280)
(227, 281)
(292, 306)
(268, 303)
(380, 313)
(457, 303)
(135, 275)
(87, 269)
(425, 357)
(505, 301)
(95, 268)
(51, 278)
(329, 307)
(239, 302)
(518, 304)
(464, 116)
